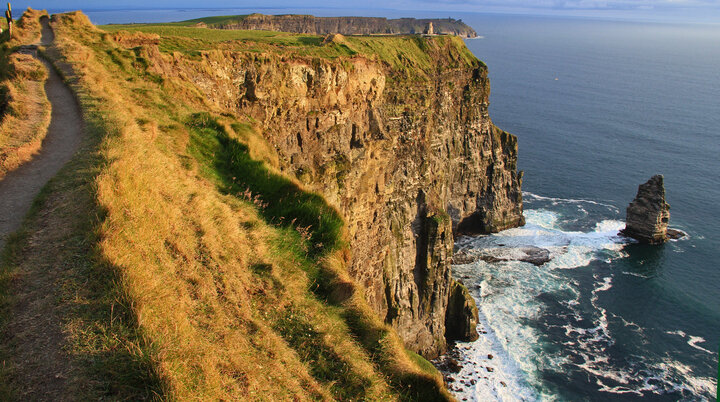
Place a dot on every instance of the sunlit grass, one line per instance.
(229, 278)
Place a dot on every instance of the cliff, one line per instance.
(403, 147)
(309, 24)
(252, 213)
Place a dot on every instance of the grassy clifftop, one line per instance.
(190, 267)
(398, 51)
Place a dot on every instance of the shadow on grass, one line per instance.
(281, 202)
(284, 204)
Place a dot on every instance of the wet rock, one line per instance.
(449, 364)
(534, 255)
(648, 214)
(462, 258)
(503, 383)
(490, 369)
(490, 357)
(674, 234)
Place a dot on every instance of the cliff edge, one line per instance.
(402, 144)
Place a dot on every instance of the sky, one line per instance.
(705, 11)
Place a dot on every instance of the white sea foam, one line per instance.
(507, 293)
(528, 195)
(568, 249)
(692, 340)
(489, 373)
(510, 293)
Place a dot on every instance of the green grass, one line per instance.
(325, 363)
(281, 201)
(214, 20)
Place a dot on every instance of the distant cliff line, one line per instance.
(309, 24)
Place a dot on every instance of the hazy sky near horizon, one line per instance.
(670, 10)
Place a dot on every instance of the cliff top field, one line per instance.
(195, 261)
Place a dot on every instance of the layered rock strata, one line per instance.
(408, 157)
(648, 214)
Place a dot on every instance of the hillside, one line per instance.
(309, 24)
(260, 215)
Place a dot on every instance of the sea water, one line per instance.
(599, 107)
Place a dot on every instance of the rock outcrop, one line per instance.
(409, 157)
(309, 24)
(648, 214)
(462, 315)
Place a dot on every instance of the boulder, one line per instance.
(648, 214)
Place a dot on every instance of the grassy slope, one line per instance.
(184, 276)
(24, 108)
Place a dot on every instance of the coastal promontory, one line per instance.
(309, 24)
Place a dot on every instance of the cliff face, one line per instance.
(408, 157)
(309, 24)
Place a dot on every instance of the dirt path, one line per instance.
(21, 186)
(41, 369)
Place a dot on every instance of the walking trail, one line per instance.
(21, 186)
(41, 369)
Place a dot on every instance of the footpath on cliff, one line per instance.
(40, 366)
(21, 186)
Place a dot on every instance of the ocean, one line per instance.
(598, 107)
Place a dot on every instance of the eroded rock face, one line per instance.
(462, 315)
(648, 214)
(408, 159)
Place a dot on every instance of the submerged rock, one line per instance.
(674, 234)
(648, 214)
(534, 255)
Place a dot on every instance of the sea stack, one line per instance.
(648, 214)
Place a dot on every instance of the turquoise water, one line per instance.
(599, 107)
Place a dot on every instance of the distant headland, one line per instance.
(309, 24)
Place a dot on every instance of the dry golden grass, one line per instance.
(27, 28)
(222, 304)
(24, 107)
(26, 117)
